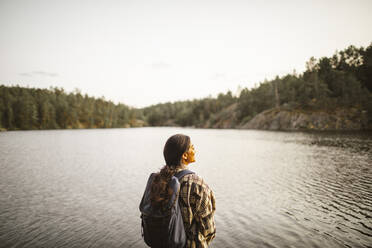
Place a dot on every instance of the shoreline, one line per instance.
(207, 128)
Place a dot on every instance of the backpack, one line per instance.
(163, 228)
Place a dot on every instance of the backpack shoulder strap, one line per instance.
(183, 173)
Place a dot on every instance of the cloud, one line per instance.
(219, 76)
(38, 73)
(25, 74)
(160, 65)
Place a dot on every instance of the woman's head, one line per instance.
(177, 149)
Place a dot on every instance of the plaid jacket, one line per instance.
(198, 206)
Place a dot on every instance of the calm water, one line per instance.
(81, 188)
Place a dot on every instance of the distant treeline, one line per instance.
(341, 81)
(28, 108)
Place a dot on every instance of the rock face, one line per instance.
(225, 119)
(279, 119)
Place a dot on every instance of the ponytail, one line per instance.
(160, 192)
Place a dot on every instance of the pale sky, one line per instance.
(146, 52)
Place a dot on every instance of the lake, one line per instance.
(82, 188)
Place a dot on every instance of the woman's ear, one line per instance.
(184, 156)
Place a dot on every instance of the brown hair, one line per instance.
(175, 146)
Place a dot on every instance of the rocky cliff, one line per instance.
(226, 118)
(281, 119)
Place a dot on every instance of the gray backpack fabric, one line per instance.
(163, 228)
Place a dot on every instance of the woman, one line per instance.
(196, 199)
